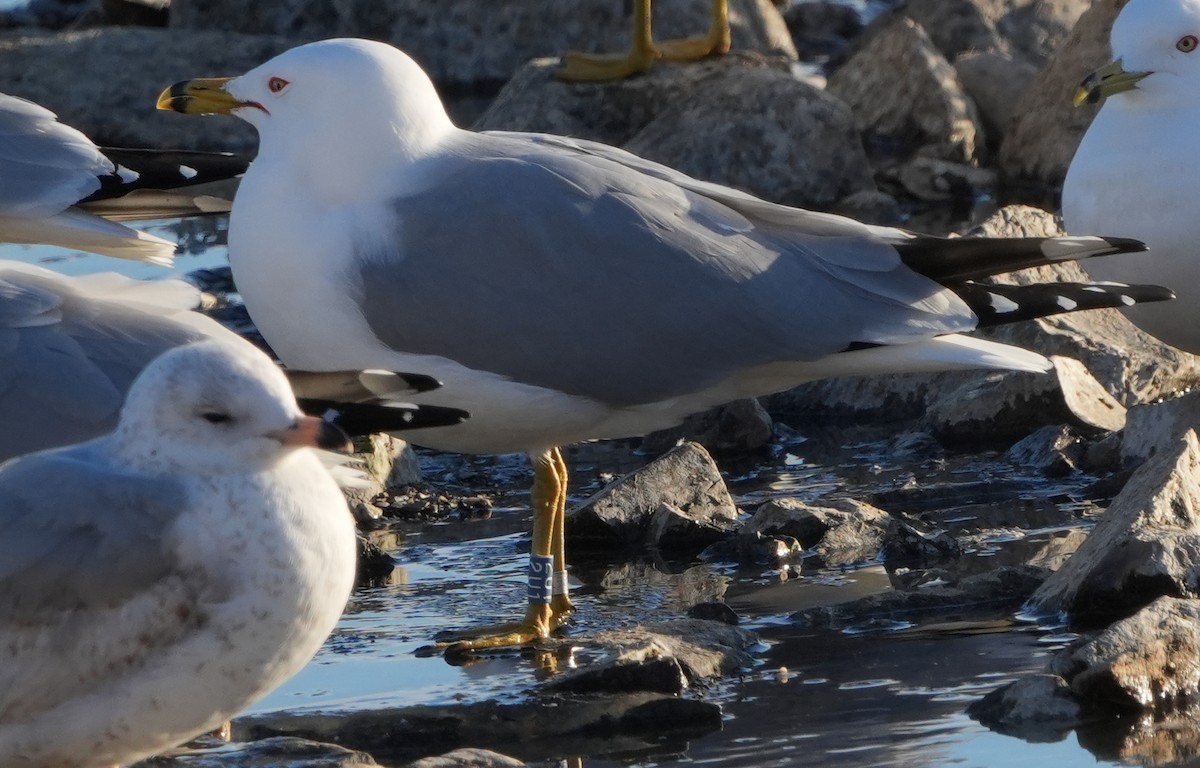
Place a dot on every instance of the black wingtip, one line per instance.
(999, 304)
(1125, 244)
(420, 382)
(362, 419)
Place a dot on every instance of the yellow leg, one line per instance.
(546, 555)
(561, 606)
(643, 52)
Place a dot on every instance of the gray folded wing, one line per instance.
(542, 264)
(70, 347)
(79, 534)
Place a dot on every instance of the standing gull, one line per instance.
(70, 347)
(1135, 171)
(565, 290)
(155, 581)
(60, 188)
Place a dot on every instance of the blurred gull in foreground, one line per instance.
(155, 581)
(70, 347)
(60, 188)
(565, 290)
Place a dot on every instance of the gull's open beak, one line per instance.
(1104, 82)
(314, 433)
(202, 96)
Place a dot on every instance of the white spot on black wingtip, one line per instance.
(1127, 300)
(1066, 303)
(331, 415)
(1002, 304)
(1095, 289)
(127, 175)
(408, 416)
(187, 172)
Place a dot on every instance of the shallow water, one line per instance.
(867, 696)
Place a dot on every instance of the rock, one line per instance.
(996, 593)
(714, 612)
(592, 724)
(780, 553)
(1055, 450)
(58, 71)
(904, 94)
(995, 82)
(470, 52)
(709, 119)
(1029, 29)
(932, 180)
(737, 427)
(375, 566)
(822, 30)
(389, 460)
(839, 531)
(1039, 144)
(678, 501)
(1149, 661)
(692, 586)
(701, 650)
(467, 758)
(1146, 545)
(913, 543)
(1152, 428)
(276, 752)
(1038, 708)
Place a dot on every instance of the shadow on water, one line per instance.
(893, 696)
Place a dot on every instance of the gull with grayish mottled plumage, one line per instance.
(155, 581)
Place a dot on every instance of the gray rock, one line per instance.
(839, 531)
(822, 29)
(1152, 428)
(904, 94)
(1149, 661)
(467, 758)
(462, 44)
(932, 180)
(1030, 29)
(738, 427)
(677, 501)
(375, 566)
(1055, 450)
(60, 72)
(737, 120)
(1038, 708)
(594, 724)
(911, 542)
(1039, 144)
(1146, 545)
(995, 82)
(277, 752)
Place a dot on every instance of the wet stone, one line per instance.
(914, 543)
(375, 566)
(677, 501)
(467, 758)
(735, 428)
(838, 531)
(714, 612)
(276, 752)
(1146, 545)
(1039, 708)
(1149, 661)
(1054, 450)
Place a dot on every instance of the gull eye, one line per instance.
(277, 84)
(216, 417)
(1187, 43)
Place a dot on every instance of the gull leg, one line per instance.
(549, 494)
(717, 41)
(595, 67)
(643, 52)
(561, 606)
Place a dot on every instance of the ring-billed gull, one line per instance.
(1135, 169)
(565, 290)
(155, 581)
(52, 174)
(644, 51)
(71, 346)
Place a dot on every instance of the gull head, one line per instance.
(345, 105)
(215, 407)
(1156, 58)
